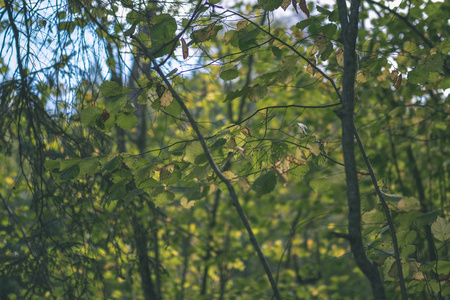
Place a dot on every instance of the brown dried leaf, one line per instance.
(303, 7)
(298, 162)
(247, 131)
(398, 82)
(294, 4)
(185, 48)
(166, 99)
(105, 115)
(393, 74)
(160, 89)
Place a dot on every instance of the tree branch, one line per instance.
(216, 170)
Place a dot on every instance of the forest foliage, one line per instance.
(273, 149)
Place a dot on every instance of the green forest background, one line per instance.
(272, 149)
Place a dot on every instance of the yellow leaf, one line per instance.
(241, 25)
(361, 78)
(9, 180)
(310, 67)
(229, 175)
(244, 184)
(340, 57)
(184, 202)
(166, 99)
(285, 4)
(314, 148)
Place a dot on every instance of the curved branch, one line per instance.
(216, 170)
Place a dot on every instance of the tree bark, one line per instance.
(349, 33)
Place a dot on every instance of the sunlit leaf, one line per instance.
(126, 121)
(166, 99)
(164, 198)
(89, 115)
(241, 25)
(408, 203)
(320, 185)
(187, 205)
(441, 229)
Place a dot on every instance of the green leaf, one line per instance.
(320, 185)
(407, 251)
(52, 164)
(164, 28)
(406, 237)
(373, 217)
(305, 23)
(69, 163)
(270, 5)
(418, 76)
(323, 10)
(173, 109)
(112, 164)
(329, 30)
(66, 26)
(265, 183)
(441, 229)
(70, 173)
(90, 165)
(443, 267)
(147, 183)
(110, 88)
(117, 191)
(194, 154)
(257, 92)
(408, 203)
(277, 52)
(89, 115)
(164, 198)
(235, 94)
(434, 63)
(286, 75)
(327, 52)
(229, 74)
(126, 121)
(299, 171)
(278, 151)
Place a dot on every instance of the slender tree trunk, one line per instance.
(349, 32)
(140, 239)
(424, 207)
